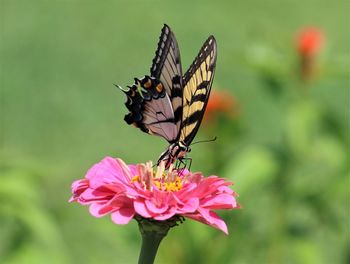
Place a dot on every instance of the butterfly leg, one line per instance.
(179, 163)
(184, 161)
(188, 160)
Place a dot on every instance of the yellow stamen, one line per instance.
(158, 184)
(135, 178)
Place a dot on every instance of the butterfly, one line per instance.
(168, 103)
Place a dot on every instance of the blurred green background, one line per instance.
(286, 148)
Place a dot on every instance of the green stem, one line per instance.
(150, 244)
(153, 232)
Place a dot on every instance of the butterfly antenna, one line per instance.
(202, 141)
(119, 87)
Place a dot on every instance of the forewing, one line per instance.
(166, 67)
(197, 85)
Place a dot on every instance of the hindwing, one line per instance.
(150, 108)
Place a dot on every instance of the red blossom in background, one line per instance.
(309, 43)
(220, 102)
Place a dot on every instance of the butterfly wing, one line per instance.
(155, 102)
(150, 108)
(197, 85)
(166, 67)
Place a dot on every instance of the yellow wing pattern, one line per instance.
(197, 85)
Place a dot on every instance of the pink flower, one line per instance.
(126, 191)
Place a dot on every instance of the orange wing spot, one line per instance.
(148, 84)
(159, 88)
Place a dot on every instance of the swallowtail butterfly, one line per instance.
(168, 103)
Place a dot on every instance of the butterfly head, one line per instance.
(183, 147)
(175, 151)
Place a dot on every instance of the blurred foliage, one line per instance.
(287, 151)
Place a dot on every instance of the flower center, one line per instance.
(168, 181)
(169, 186)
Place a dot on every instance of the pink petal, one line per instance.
(218, 223)
(120, 201)
(168, 214)
(211, 219)
(109, 170)
(95, 208)
(225, 189)
(186, 191)
(78, 187)
(221, 201)
(141, 209)
(156, 209)
(80, 184)
(126, 173)
(133, 169)
(190, 206)
(196, 177)
(92, 171)
(114, 187)
(186, 206)
(160, 197)
(91, 195)
(123, 216)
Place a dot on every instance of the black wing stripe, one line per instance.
(193, 117)
(177, 114)
(162, 121)
(203, 85)
(199, 97)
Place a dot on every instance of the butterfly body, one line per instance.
(175, 151)
(168, 103)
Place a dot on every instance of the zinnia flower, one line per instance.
(131, 191)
